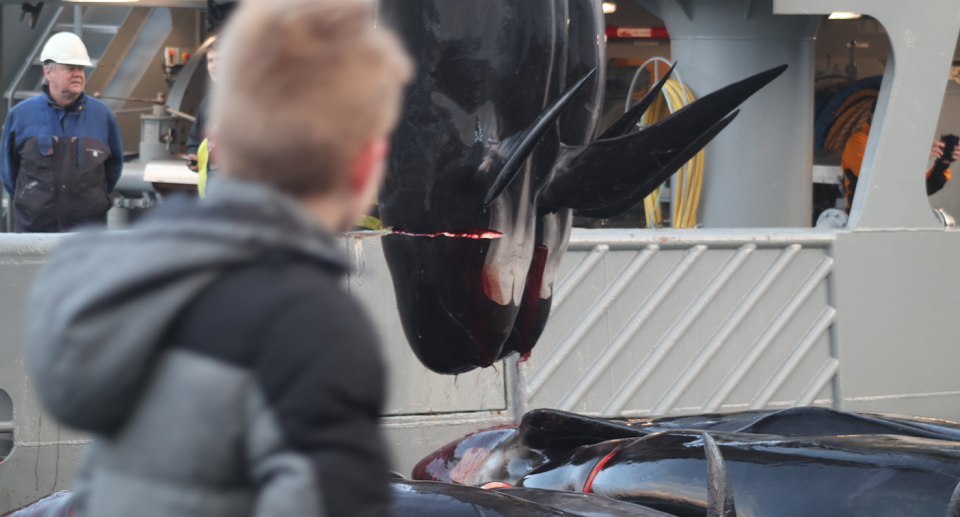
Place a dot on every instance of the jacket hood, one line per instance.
(99, 310)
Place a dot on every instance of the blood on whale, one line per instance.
(476, 233)
(526, 322)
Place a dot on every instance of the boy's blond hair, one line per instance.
(303, 85)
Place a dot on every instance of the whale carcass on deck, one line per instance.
(819, 462)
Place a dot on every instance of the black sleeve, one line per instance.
(13, 163)
(850, 184)
(321, 371)
(199, 126)
(937, 179)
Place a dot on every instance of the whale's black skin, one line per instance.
(577, 126)
(432, 499)
(555, 429)
(485, 71)
(772, 476)
(586, 505)
(505, 454)
(815, 421)
(723, 422)
(502, 114)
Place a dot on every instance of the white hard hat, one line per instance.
(66, 48)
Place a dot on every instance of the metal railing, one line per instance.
(683, 320)
(11, 92)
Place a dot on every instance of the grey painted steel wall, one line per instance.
(757, 172)
(897, 295)
(44, 454)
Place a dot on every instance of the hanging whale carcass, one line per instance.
(494, 152)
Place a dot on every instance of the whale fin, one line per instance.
(953, 508)
(506, 159)
(623, 125)
(719, 491)
(608, 172)
(644, 189)
(556, 429)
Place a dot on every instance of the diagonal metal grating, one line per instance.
(647, 327)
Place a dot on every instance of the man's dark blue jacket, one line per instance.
(59, 163)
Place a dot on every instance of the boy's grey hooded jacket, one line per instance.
(215, 356)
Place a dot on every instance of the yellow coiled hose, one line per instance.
(686, 197)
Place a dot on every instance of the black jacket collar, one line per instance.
(74, 106)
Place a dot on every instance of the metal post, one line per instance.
(78, 20)
(758, 171)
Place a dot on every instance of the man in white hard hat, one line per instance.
(62, 153)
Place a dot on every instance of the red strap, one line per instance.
(600, 464)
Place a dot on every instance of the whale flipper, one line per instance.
(643, 189)
(607, 172)
(506, 160)
(719, 490)
(953, 507)
(623, 125)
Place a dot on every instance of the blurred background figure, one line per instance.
(856, 145)
(198, 146)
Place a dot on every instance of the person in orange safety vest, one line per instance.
(853, 159)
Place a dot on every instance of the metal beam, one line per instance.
(78, 20)
(34, 54)
(117, 52)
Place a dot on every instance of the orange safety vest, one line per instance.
(853, 159)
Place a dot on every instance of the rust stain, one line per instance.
(36, 468)
(56, 468)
